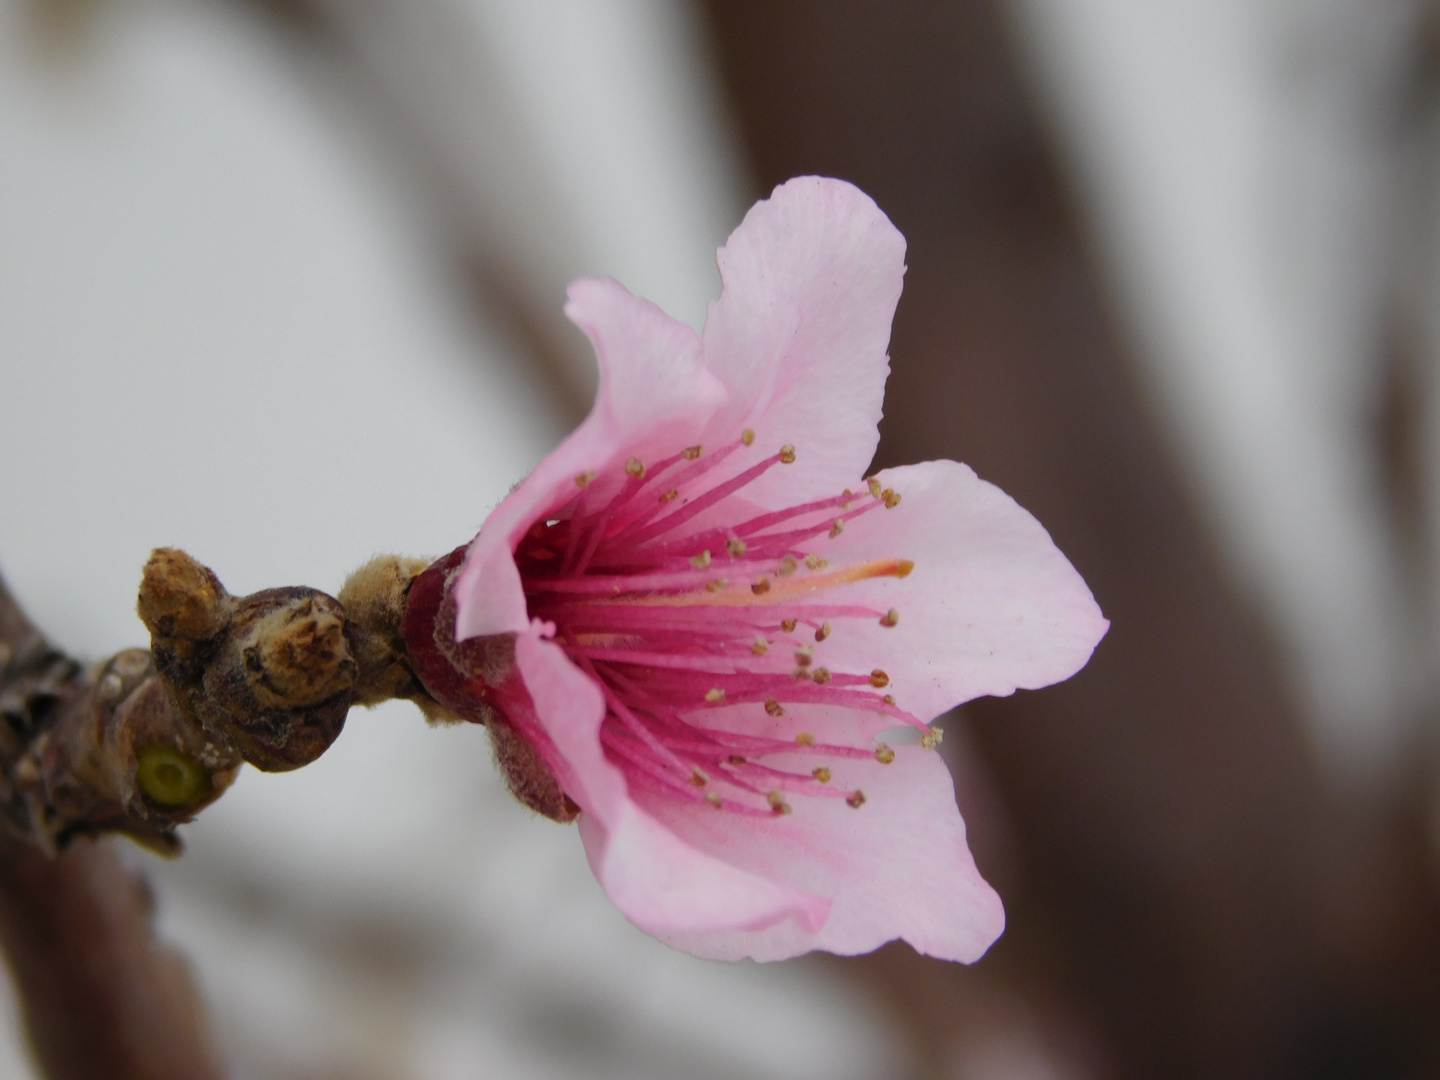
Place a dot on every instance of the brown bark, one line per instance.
(1186, 884)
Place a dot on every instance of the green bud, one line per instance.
(171, 778)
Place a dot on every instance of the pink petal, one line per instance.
(798, 337)
(991, 605)
(659, 882)
(896, 867)
(654, 395)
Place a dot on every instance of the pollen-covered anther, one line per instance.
(670, 496)
(693, 452)
(879, 679)
(698, 778)
(699, 562)
(716, 585)
(888, 699)
(636, 468)
(837, 528)
(788, 625)
(761, 587)
(821, 675)
(760, 647)
(892, 499)
(884, 754)
(814, 562)
(805, 739)
(874, 486)
(747, 436)
(932, 738)
(777, 802)
(800, 673)
(804, 655)
(735, 546)
(787, 566)
(856, 799)
(715, 695)
(773, 707)
(890, 618)
(787, 454)
(714, 800)
(584, 479)
(823, 632)
(822, 774)
(736, 759)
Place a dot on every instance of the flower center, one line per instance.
(688, 608)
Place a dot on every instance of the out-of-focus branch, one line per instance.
(139, 744)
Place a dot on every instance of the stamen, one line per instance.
(773, 707)
(888, 699)
(804, 655)
(787, 566)
(823, 632)
(787, 454)
(884, 754)
(837, 528)
(822, 774)
(874, 486)
(699, 562)
(761, 587)
(584, 479)
(716, 585)
(892, 499)
(856, 799)
(890, 618)
(735, 546)
(879, 679)
(788, 625)
(698, 778)
(761, 647)
(747, 436)
(714, 800)
(693, 452)
(932, 738)
(821, 675)
(636, 468)
(715, 695)
(669, 496)
(777, 803)
(805, 739)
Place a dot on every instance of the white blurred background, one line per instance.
(278, 300)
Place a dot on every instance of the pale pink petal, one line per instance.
(800, 333)
(991, 605)
(654, 396)
(896, 867)
(660, 883)
(665, 886)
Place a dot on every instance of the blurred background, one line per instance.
(280, 283)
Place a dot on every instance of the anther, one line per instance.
(714, 695)
(823, 632)
(747, 436)
(814, 562)
(932, 738)
(761, 587)
(583, 479)
(761, 647)
(787, 566)
(699, 562)
(879, 680)
(714, 800)
(800, 673)
(787, 454)
(735, 546)
(692, 452)
(804, 655)
(670, 496)
(884, 754)
(636, 468)
(837, 528)
(888, 699)
(698, 778)
(892, 499)
(874, 486)
(788, 626)
(822, 774)
(736, 759)
(821, 675)
(716, 585)
(773, 707)
(856, 799)
(890, 618)
(805, 739)
(777, 802)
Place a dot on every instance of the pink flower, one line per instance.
(696, 618)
